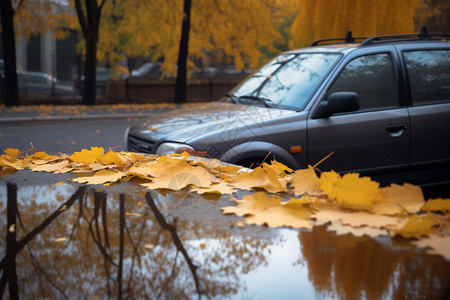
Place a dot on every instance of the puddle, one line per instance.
(76, 241)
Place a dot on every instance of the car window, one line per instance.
(429, 75)
(372, 78)
(289, 80)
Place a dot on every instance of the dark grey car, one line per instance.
(381, 106)
(42, 85)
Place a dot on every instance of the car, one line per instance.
(41, 85)
(378, 106)
(148, 70)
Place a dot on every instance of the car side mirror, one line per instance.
(338, 102)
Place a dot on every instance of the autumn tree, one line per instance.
(26, 18)
(89, 15)
(180, 86)
(238, 29)
(433, 13)
(333, 18)
(11, 92)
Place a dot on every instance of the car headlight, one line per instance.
(170, 148)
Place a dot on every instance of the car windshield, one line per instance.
(289, 80)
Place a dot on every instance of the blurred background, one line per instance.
(137, 43)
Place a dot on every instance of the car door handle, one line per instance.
(396, 129)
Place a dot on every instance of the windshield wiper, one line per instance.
(233, 98)
(265, 101)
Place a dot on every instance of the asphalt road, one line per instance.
(65, 136)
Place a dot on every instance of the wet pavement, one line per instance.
(29, 113)
(74, 241)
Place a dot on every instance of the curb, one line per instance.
(12, 120)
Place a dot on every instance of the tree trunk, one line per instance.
(181, 82)
(90, 63)
(89, 19)
(10, 87)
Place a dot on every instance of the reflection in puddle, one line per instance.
(362, 267)
(70, 242)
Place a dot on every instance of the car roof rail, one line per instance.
(423, 35)
(348, 39)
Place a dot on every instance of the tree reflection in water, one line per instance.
(82, 243)
(93, 244)
(352, 267)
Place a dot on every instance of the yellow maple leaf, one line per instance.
(279, 168)
(260, 209)
(396, 199)
(182, 178)
(305, 181)
(43, 156)
(439, 245)
(101, 177)
(112, 158)
(63, 166)
(5, 171)
(440, 204)
(221, 188)
(87, 156)
(260, 177)
(12, 152)
(350, 190)
(175, 173)
(418, 225)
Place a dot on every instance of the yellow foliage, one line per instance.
(440, 204)
(105, 176)
(88, 156)
(418, 225)
(346, 204)
(305, 181)
(333, 18)
(13, 153)
(350, 190)
(261, 209)
(229, 29)
(112, 158)
(41, 17)
(264, 177)
(397, 199)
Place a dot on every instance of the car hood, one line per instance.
(195, 120)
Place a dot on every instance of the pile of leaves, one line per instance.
(281, 196)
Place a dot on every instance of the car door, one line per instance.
(373, 140)
(428, 71)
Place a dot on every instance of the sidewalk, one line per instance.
(30, 113)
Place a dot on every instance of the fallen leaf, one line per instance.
(260, 209)
(112, 158)
(341, 229)
(12, 152)
(63, 166)
(129, 214)
(440, 204)
(60, 240)
(260, 177)
(221, 188)
(439, 245)
(101, 177)
(149, 246)
(305, 181)
(88, 156)
(350, 190)
(418, 225)
(396, 199)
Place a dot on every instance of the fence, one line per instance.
(144, 90)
